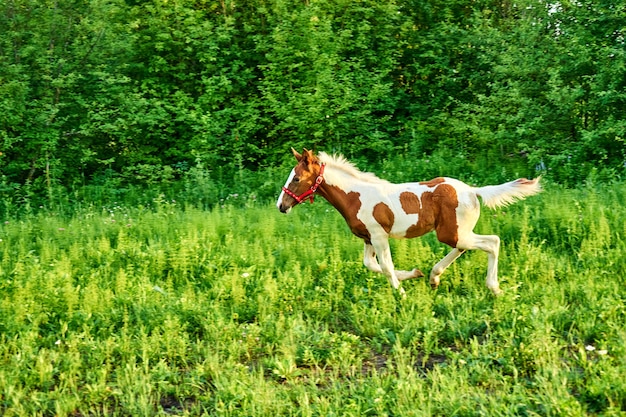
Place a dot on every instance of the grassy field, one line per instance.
(243, 311)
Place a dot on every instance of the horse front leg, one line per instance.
(369, 259)
(442, 265)
(370, 262)
(383, 253)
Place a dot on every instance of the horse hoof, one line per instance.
(417, 273)
(497, 291)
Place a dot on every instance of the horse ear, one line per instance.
(308, 156)
(296, 154)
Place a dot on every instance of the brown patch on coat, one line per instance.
(410, 203)
(434, 182)
(384, 216)
(426, 214)
(446, 225)
(437, 212)
(348, 204)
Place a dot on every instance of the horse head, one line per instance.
(303, 180)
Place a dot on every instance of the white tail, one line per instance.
(501, 195)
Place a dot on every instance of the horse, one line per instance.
(376, 210)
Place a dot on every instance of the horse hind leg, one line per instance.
(370, 262)
(462, 238)
(491, 245)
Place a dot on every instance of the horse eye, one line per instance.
(296, 179)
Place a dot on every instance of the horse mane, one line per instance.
(339, 162)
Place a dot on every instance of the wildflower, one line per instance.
(245, 275)
(590, 348)
(603, 352)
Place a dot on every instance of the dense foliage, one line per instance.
(127, 91)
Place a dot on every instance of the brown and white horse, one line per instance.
(376, 210)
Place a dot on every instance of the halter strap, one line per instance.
(311, 191)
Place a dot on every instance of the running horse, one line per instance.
(377, 210)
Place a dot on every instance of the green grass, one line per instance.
(243, 311)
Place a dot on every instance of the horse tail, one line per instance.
(494, 196)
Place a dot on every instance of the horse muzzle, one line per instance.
(284, 208)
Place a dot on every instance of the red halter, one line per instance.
(310, 192)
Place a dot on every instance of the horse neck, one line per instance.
(344, 201)
(331, 193)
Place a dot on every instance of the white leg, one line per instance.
(442, 265)
(369, 260)
(383, 253)
(491, 245)
(404, 275)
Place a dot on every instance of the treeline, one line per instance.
(146, 91)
